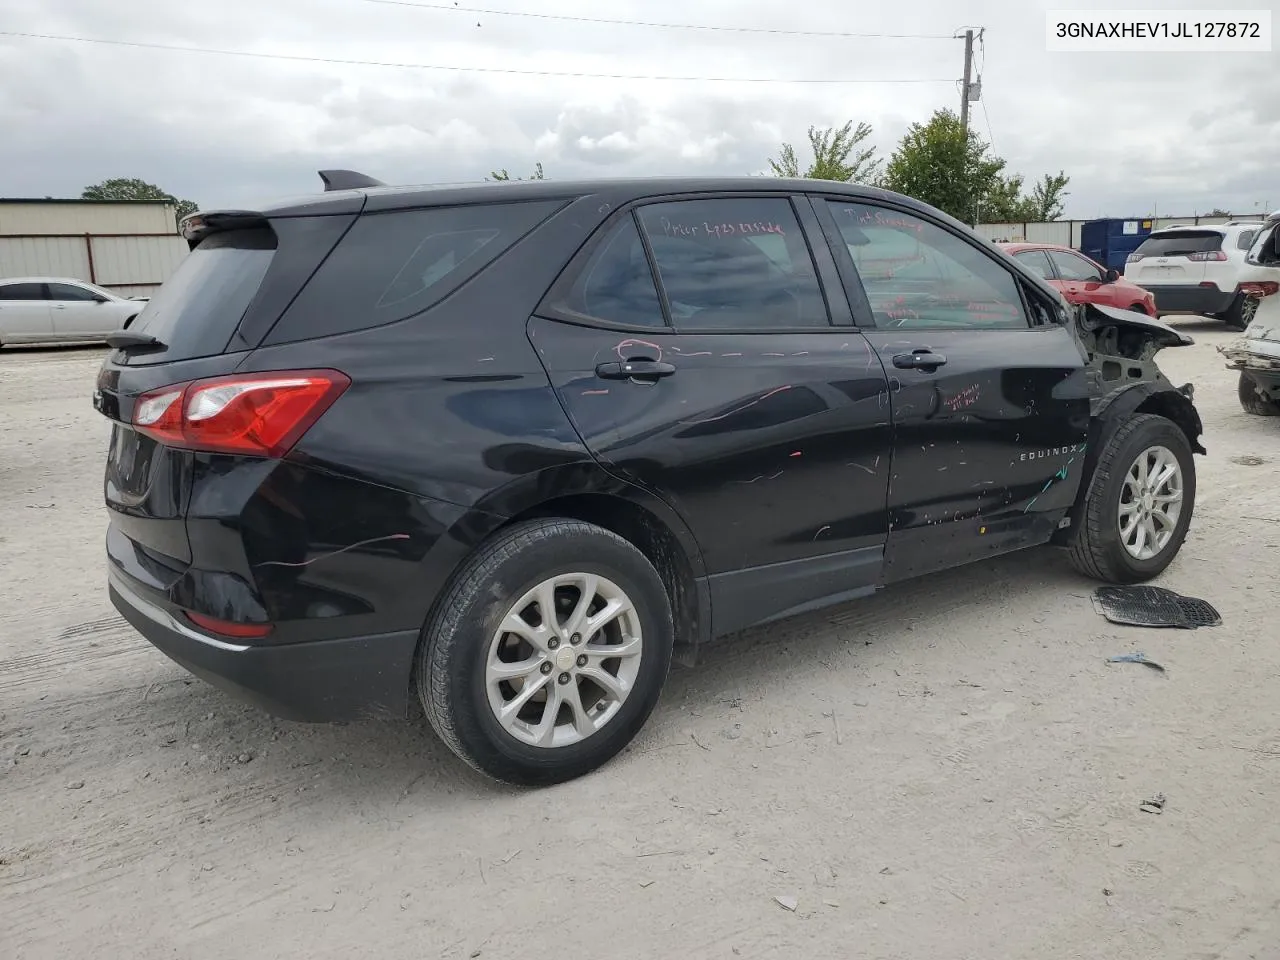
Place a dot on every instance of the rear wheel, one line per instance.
(1253, 401)
(1240, 314)
(548, 652)
(1139, 503)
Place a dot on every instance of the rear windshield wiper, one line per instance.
(133, 340)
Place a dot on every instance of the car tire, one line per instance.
(1099, 547)
(465, 653)
(1241, 312)
(1252, 401)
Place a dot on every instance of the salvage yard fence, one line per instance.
(1066, 233)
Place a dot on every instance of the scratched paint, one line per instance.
(594, 393)
(333, 553)
(739, 409)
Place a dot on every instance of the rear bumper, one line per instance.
(1190, 298)
(354, 678)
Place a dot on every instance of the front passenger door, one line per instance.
(79, 312)
(989, 400)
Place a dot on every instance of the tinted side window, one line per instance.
(1037, 261)
(68, 293)
(734, 264)
(1071, 267)
(21, 291)
(616, 284)
(390, 266)
(1245, 240)
(918, 275)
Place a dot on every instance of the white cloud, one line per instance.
(1132, 131)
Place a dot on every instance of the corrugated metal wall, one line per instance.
(1067, 232)
(130, 248)
(85, 216)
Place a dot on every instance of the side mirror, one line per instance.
(1111, 276)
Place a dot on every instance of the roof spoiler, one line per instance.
(196, 226)
(347, 180)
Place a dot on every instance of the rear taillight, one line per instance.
(257, 415)
(1204, 255)
(229, 628)
(1261, 288)
(1133, 258)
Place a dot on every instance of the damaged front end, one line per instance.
(1124, 378)
(1256, 355)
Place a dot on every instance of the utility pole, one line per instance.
(968, 79)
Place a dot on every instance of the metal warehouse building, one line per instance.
(130, 247)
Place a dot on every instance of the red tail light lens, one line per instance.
(1262, 288)
(257, 415)
(1204, 255)
(229, 628)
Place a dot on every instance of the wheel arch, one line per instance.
(1160, 399)
(583, 490)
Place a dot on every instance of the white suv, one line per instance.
(1197, 269)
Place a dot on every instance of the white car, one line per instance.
(1198, 270)
(1257, 354)
(59, 310)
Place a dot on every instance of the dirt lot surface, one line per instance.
(948, 770)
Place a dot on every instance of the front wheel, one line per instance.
(1254, 401)
(547, 653)
(1139, 503)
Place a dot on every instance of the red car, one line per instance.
(1080, 279)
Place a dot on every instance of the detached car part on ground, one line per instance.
(505, 450)
(1257, 354)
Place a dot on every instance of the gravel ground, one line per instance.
(947, 770)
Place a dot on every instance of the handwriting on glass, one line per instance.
(708, 229)
(964, 398)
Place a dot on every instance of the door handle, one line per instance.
(919, 360)
(642, 369)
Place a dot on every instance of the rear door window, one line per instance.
(1071, 267)
(1180, 243)
(392, 265)
(196, 311)
(22, 291)
(734, 264)
(1245, 240)
(615, 284)
(1037, 261)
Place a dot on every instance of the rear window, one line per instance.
(393, 265)
(21, 291)
(1180, 243)
(196, 311)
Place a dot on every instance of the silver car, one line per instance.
(60, 310)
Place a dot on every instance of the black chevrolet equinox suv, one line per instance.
(505, 450)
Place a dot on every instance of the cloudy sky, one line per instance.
(1172, 132)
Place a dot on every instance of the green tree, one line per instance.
(1048, 195)
(939, 165)
(131, 188)
(503, 175)
(838, 154)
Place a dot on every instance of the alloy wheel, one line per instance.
(1150, 503)
(564, 660)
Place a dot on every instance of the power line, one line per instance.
(299, 58)
(454, 8)
(991, 139)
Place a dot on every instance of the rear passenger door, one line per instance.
(24, 312)
(727, 388)
(989, 398)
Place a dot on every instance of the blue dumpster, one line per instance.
(1111, 240)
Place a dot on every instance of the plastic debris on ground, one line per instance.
(1135, 658)
(1147, 606)
(1154, 805)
